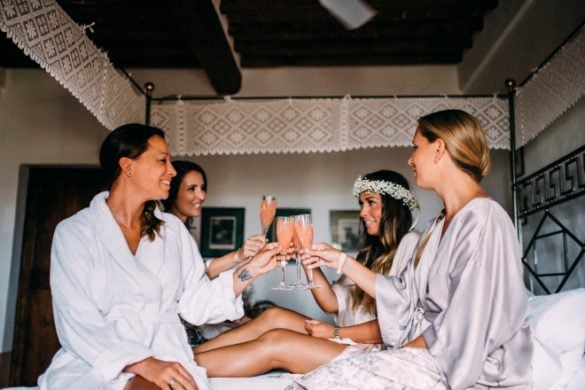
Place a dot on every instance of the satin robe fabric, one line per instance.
(470, 304)
(466, 298)
(113, 308)
(346, 314)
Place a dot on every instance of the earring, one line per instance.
(129, 173)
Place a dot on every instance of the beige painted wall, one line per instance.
(374, 80)
(518, 36)
(321, 182)
(40, 123)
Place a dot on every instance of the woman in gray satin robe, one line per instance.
(459, 324)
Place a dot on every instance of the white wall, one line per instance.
(373, 80)
(40, 123)
(321, 182)
(517, 37)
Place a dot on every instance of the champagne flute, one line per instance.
(267, 212)
(304, 231)
(285, 230)
(298, 283)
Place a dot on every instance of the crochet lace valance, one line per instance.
(60, 46)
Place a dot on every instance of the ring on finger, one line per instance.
(171, 382)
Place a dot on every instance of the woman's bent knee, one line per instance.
(277, 317)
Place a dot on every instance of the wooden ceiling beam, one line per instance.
(354, 60)
(259, 5)
(337, 49)
(203, 31)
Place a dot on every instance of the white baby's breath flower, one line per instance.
(385, 187)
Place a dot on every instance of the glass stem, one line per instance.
(298, 269)
(283, 275)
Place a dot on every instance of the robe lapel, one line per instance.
(112, 238)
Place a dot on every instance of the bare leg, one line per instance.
(278, 348)
(272, 318)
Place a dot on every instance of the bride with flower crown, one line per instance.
(284, 339)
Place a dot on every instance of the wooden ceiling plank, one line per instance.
(204, 33)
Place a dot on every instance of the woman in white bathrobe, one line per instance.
(122, 272)
(186, 197)
(285, 339)
(187, 194)
(460, 325)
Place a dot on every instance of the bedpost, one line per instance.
(148, 88)
(511, 86)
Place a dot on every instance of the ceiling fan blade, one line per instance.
(351, 13)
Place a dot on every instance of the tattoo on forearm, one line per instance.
(245, 275)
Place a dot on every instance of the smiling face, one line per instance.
(371, 211)
(422, 160)
(153, 171)
(190, 196)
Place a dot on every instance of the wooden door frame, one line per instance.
(18, 251)
(14, 278)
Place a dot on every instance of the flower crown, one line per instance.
(385, 187)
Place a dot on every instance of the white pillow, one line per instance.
(558, 330)
(558, 320)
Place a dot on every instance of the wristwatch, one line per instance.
(336, 333)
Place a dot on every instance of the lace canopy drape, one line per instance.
(312, 125)
(60, 46)
(48, 35)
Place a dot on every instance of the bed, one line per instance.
(557, 316)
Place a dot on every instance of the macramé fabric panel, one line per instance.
(48, 36)
(311, 125)
(556, 87)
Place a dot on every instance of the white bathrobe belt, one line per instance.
(137, 318)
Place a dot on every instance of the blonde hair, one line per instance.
(464, 139)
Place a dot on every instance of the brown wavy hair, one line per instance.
(377, 252)
(183, 167)
(130, 140)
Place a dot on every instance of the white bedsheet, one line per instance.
(558, 323)
(269, 381)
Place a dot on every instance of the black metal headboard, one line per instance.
(550, 186)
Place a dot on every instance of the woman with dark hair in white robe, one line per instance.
(460, 324)
(122, 272)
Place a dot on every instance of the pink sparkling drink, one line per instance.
(304, 234)
(285, 230)
(267, 212)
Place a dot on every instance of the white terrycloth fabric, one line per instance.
(113, 308)
(346, 314)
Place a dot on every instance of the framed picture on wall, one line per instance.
(283, 212)
(222, 230)
(344, 226)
